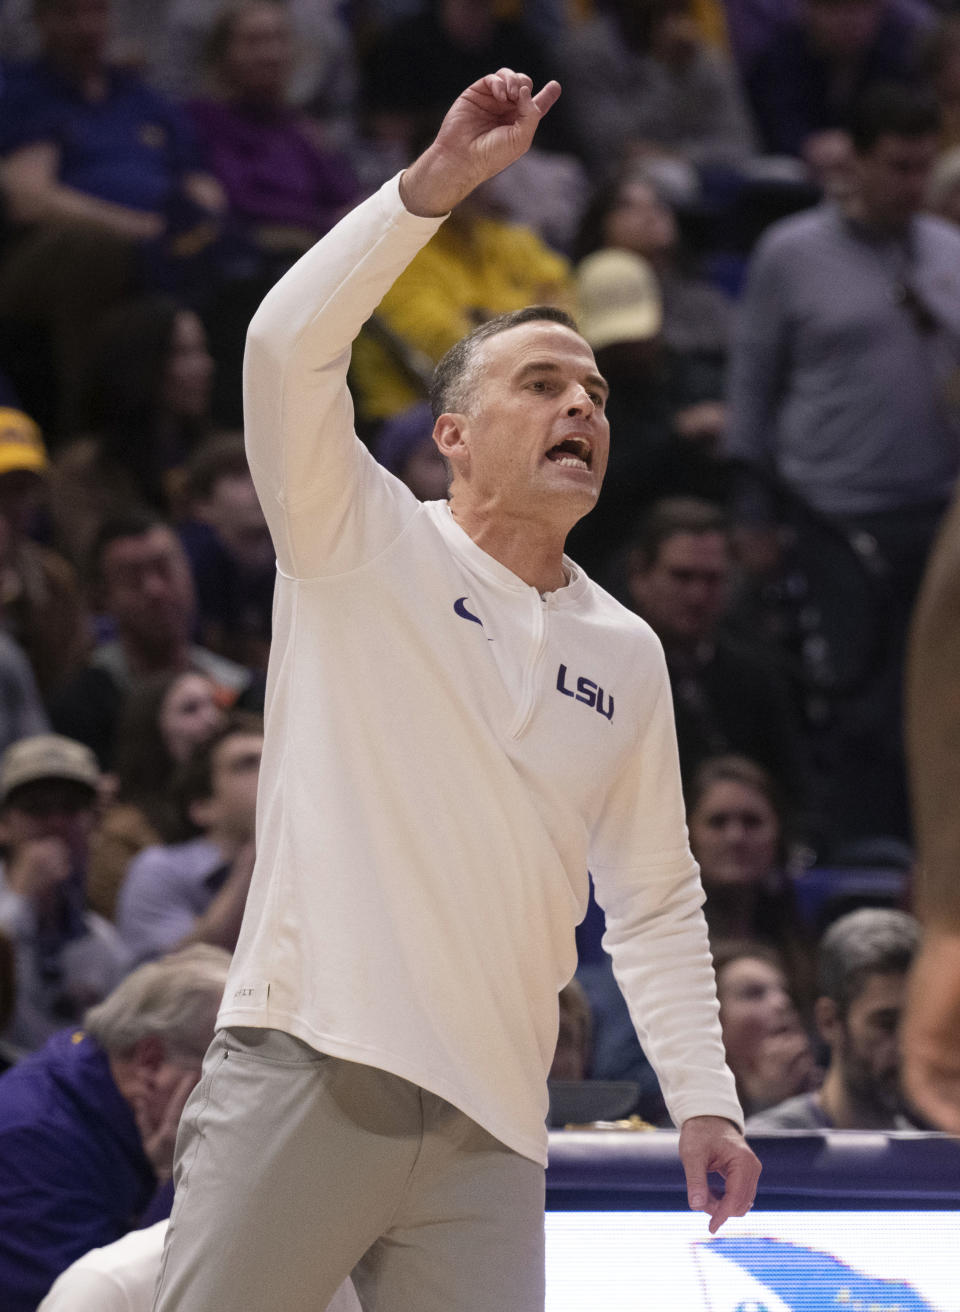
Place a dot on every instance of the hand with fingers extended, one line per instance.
(711, 1143)
(488, 127)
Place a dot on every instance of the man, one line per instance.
(88, 145)
(931, 1028)
(195, 892)
(459, 720)
(646, 85)
(726, 698)
(146, 591)
(845, 380)
(87, 1124)
(863, 962)
(101, 178)
(805, 80)
(68, 957)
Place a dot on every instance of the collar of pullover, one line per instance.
(480, 562)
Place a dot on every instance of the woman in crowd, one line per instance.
(739, 835)
(165, 717)
(147, 403)
(767, 1047)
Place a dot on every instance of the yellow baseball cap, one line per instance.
(21, 446)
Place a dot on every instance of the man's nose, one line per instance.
(581, 404)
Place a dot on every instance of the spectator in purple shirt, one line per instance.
(752, 23)
(284, 186)
(102, 182)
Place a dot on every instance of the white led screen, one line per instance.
(830, 1261)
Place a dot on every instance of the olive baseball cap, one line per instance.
(47, 756)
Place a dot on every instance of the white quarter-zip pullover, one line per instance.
(446, 753)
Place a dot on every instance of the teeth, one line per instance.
(574, 462)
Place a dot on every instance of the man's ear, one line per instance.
(450, 433)
(827, 1020)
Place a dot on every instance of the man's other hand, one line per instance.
(711, 1143)
(486, 129)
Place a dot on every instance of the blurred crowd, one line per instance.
(752, 207)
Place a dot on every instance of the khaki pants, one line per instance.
(295, 1169)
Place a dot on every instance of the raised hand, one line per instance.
(487, 128)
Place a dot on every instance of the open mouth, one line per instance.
(572, 452)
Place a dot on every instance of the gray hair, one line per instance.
(175, 998)
(871, 941)
(455, 377)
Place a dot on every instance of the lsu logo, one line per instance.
(586, 691)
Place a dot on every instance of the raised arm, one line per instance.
(326, 505)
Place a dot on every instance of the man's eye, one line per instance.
(598, 399)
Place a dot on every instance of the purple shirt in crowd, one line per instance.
(270, 167)
(166, 888)
(751, 23)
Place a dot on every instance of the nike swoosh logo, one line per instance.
(464, 614)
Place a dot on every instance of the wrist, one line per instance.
(431, 187)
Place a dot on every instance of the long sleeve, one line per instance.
(327, 505)
(758, 360)
(656, 932)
